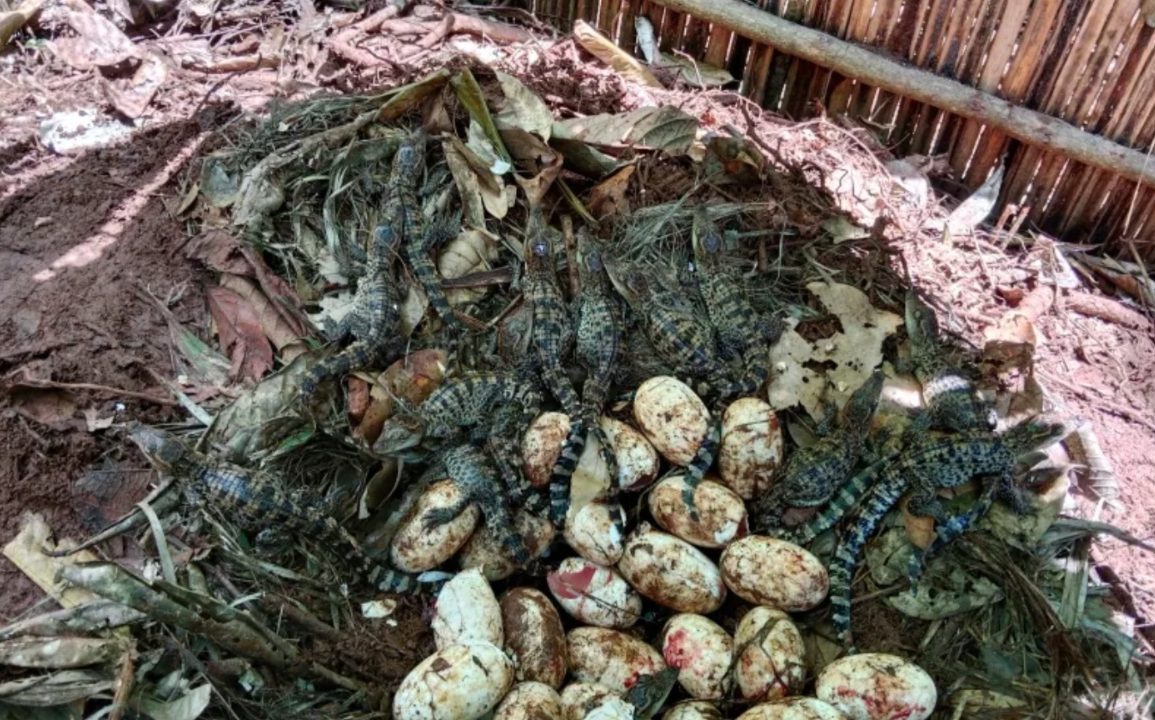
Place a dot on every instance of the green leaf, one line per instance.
(188, 707)
(469, 93)
(584, 159)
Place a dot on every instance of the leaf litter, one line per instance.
(267, 183)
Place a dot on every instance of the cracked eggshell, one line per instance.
(672, 572)
(541, 446)
(415, 549)
(487, 552)
(672, 417)
(693, 710)
(610, 658)
(771, 662)
(591, 531)
(752, 446)
(582, 700)
(637, 459)
(795, 708)
(459, 682)
(467, 612)
(530, 701)
(768, 571)
(594, 594)
(721, 513)
(534, 636)
(877, 686)
(701, 651)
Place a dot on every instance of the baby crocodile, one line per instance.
(421, 251)
(552, 338)
(931, 461)
(475, 477)
(948, 394)
(256, 501)
(814, 473)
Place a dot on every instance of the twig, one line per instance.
(570, 255)
(94, 387)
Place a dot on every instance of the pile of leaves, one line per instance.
(281, 211)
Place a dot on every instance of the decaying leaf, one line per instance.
(11, 21)
(217, 186)
(853, 353)
(582, 158)
(953, 594)
(663, 128)
(410, 379)
(59, 653)
(470, 95)
(408, 96)
(694, 73)
(484, 185)
(58, 688)
(523, 109)
(189, 706)
(471, 251)
(132, 96)
(972, 211)
(538, 165)
(285, 336)
(98, 42)
(53, 407)
(25, 552)
(468, 186)
(841, 229)
(413, 309)
(601, 47)
(238, 324)
(609, 196)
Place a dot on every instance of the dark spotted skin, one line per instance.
(477, 482)
(257, 501)
(374, 320)
(420, 253)
(814, 473)
(931, 461)
(551, 340)
(599, 338)
(948, 394)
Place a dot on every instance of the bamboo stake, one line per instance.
(1026, 125)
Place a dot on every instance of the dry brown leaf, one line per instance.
(356, 398)
(282, 295)
(471, 251)
(282, 334)
(219, 250)
(131, 97)
(99, 43)
(242, 338)
(26, 553)
(606, 51)
(411, 379)
(13, 20)
(609, 196)
(47, 406)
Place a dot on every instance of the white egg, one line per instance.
(771, 659)
(672, 572)
(637, 459)
(721, 514)
(610, 658)
(486, 551)
(415, 549)
(768, 571)
(752, 447)
(877, 686)
(594, 594)
(795, 708)
(467, 612)
(459, 682)
(530, 701)
(672, 417)
(701, 651)
(594, 531)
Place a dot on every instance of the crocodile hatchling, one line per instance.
(374, 320)
(551, 339)
(930, 461)
(949, 395)
(421, 250)
(256, 501)
(814, 473)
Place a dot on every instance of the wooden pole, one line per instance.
(1031, 127)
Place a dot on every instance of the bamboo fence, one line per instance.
(1088, 63)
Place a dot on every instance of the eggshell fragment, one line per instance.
(459, 682)
(582, 700)
(673, 418)
(486, 551)
(795, 708)
(467, 612)
(591, 530)
(769, 571)
(541, 446)
(610, 658)
(752, 446)
(721, 513)
(415, 549)
(594, 594)
(672, 572)
(701, 651)
(534, 636)
(771, 656)
(637, 459)
(877, 686)
(530, 701)
(693, 710)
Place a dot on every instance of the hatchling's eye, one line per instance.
(713, 242)
(540, 248)
(594, 262)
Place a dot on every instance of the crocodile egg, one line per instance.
(466, 612)
(752, 447)
(637, 459)
(795, 708)
(486, 551)
(672, 417)
(591, 530)
(416, 550)
(771, 662)
(464, 682)
(769, 571)
(594, 594)
(693, 710)
(701, 651)
(529, 701)
(877, 686)
(610, 658)
(672, 572)
(534, 636)
(721, 513)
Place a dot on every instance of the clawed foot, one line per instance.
(437, 517)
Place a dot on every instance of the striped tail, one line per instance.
(954, 527)
(358, 354)
(559, 479)
(394, 581)
(880, 500)
(842, 503)
(701, 464)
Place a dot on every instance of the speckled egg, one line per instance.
(771, 662)
(459, 682)
(752, 447)
(486, 551)
(693, 710)
(637, 459)
(672, 572)
(701, 651)
(672, 417)
(721, 513)
(594, 594)
(530, 701)
(795, 708)
(541, 446)
(415, 549)
(877, 686)
(466, 612)
(594, 530)
(534, 636)
(582, 700)
(769, 571)
(610, 658)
